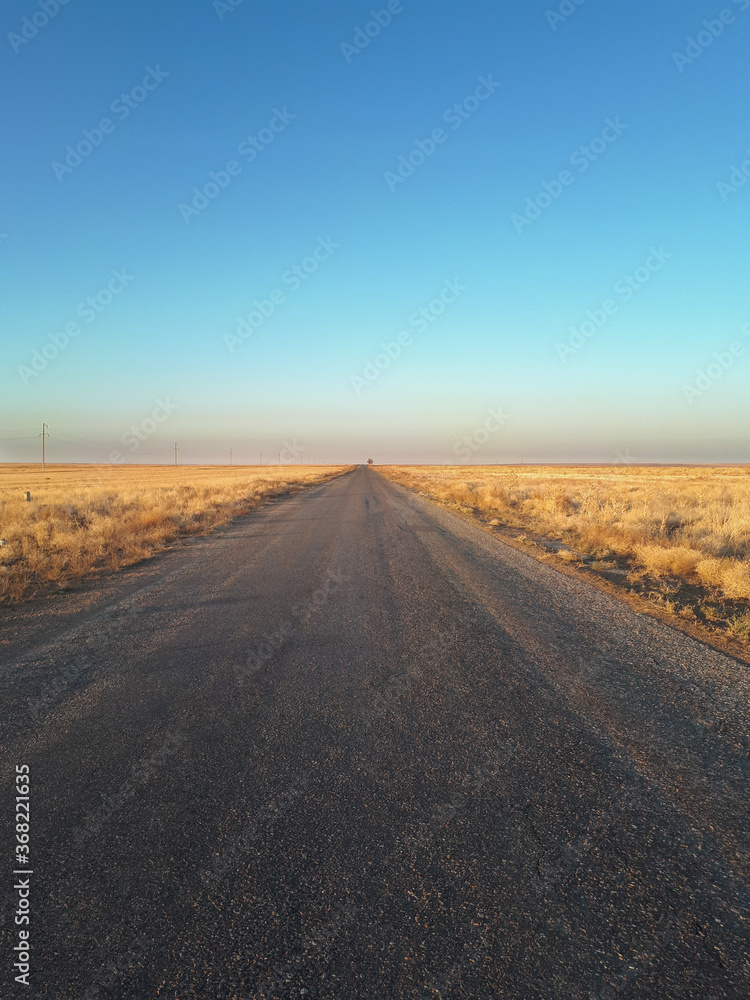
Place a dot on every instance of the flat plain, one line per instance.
(82, 519)
(678, 535)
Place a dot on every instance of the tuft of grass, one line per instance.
(739, 626)
(567, 556)
(666, 560)
(730, 576)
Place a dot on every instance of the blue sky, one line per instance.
(556, 247)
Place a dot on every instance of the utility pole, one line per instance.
(231, 452)
(279, 458)
(44, 434)
(261, 457)
(176, 448)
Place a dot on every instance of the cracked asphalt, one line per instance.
(350, 746)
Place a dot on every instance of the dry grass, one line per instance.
(85, 518)
(739, 626)
(685, 525)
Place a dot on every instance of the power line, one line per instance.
(25, 434)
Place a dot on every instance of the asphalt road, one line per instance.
(351, 746)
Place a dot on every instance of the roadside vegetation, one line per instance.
(85, 518)
(678, 536)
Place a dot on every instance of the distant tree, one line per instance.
(370, 461)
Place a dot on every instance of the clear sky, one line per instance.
(532, 205)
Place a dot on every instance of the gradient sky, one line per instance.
(220, 73)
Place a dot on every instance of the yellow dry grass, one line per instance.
(685, 523)
(85, 518)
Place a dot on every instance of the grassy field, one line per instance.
(87, 518)
(679, 536)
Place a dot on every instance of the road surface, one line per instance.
(351, 746)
